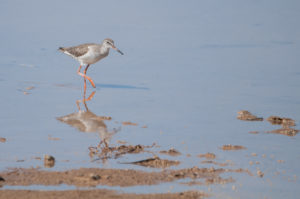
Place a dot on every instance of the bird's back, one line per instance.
(77, 51)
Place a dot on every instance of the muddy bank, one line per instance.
(91, 194)
(111, 177)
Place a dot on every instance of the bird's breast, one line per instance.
(92, 56)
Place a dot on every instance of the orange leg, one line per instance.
(84, 76)
(84, 85)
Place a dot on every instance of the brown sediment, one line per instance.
(129, 123)
(207, 156)
(156, 162)
(232, 147)
(171, 152)
(247, 116)
(285, 131)
(111, 177)
(96, 194)
(2, 139)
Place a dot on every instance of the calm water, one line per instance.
(188, 68)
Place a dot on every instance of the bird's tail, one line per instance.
(62, 49)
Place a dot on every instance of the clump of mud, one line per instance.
(2, 139)
(229, 147)
(247, 116)
(284, 122)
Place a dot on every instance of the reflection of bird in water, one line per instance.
(87, 121)
(90, 53)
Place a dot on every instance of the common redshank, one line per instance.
(90, 53)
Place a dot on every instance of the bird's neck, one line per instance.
(104, 49)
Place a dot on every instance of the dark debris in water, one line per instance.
(155, 162)
(207, 156)
(107, 152)
(171, 152)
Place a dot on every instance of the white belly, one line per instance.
(91, 57)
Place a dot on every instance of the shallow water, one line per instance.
(188, 68)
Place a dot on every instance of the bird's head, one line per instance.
(109, 43)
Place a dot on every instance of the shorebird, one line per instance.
(90, 53)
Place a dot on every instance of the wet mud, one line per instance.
(86, 177)
(96, 194)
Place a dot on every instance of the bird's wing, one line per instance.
(78, 51)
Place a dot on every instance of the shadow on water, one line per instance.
(86, 121)
(118, 86)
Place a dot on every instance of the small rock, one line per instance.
(49, 161)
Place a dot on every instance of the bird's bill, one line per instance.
(113, 47)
